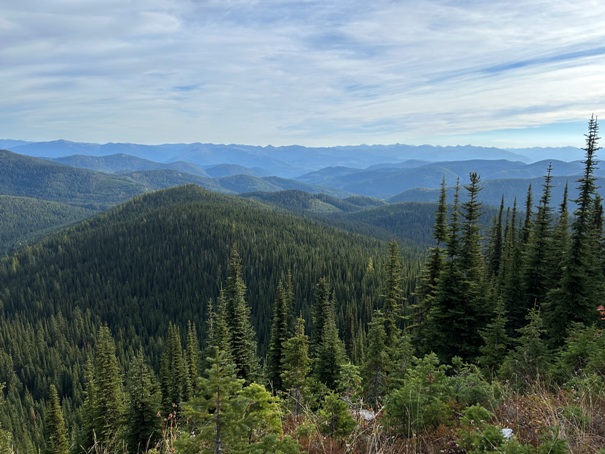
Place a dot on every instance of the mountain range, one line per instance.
(333, 183)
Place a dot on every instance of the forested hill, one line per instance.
(31, 177)
(157, 259)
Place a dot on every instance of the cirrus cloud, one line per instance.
(300, 71)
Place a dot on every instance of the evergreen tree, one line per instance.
(328, 350)
(376, 367)
(174, 376)
(237, 318)
(296, 365)
(511, 275)
(459, 311)
(56, 438)
(393, 294)
(494, 257)
(143, 421)
(531, 358)
(86, 435)
(321, 308)
(581, 289)
(427, 289)
(213, 414)
(528, 215)
(560, 245)
(192, 357)
(226, 417)
(496, 341)
(108, 403)
(335, 419)
(280, 331)
(217, 331)
(536, 268)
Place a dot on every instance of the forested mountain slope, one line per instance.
(37, 178)
(158, 259)
(24, 219)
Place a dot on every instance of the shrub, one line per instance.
(422, 402)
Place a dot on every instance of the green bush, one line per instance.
(423, 401)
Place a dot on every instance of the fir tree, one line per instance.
(581, 289)
(494, 257)
(56, 438)
(531, 359)
(192, 357)
(393, 294)
(86, 435)
(237, 319)
(320, 309)
(511, 275)
(496, 341)
(280, 331)
(528, 215)
(427, 289)
(377, 365)
(459, 310)
(537, 251)
(174, 376)
(217, 331)
(213, 414)
(108, 404)
(296, 365)
(328, 351)
(143, 421)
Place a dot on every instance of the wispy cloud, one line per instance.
(299, 71)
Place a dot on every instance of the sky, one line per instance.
(310, 72)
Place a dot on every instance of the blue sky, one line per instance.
(316, 73)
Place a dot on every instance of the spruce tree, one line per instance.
(56, 438)
(496, 341)
(531, 358)
(393, 294)
(192, 357)
(459, 311)
(427, 288)
(237, 319)
(510, 275)
(560, 245)
(108, 404)
(174, 376)
(217, 331)
(296, 365)
(581, 289)
(329, 353)
(86, 435)
(320, 308)
(528, 215)
(213, 414)
(143, 420)
(377, 364)
(536, 268)
(494, 256)
(280, 331)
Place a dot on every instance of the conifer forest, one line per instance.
(189, 321)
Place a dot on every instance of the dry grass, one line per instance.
(577, 417)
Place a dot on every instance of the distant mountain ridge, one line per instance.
(288, 161)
